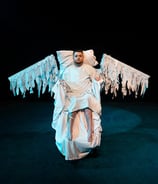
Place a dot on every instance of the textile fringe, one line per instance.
(43, 73)
(115, 73)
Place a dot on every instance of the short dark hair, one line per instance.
(77, 50)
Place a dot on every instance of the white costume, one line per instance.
(75, 89)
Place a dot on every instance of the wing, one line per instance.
(42, 74)
(116, 74)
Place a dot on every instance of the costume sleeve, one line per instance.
(93, 73)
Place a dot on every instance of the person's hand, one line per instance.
(97, 78)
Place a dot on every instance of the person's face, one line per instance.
(78, 58)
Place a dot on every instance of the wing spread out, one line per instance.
(43, 73)
(115, 73)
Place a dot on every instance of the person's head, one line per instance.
(78, 57)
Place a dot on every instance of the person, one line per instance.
(76, 88)
(77, 109)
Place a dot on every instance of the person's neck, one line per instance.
(78, 64)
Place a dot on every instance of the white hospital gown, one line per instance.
(75, 91)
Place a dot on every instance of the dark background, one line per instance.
(32, 30)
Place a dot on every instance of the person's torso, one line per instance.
(78, 78)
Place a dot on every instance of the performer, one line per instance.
(77, 124)
(76, 85)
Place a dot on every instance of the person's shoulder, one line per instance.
(87, 65)
(69, 66)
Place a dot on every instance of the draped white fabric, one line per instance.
(79, 146)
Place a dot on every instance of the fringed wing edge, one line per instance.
(43, 74)
(115, 72)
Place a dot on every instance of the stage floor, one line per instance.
(128, 153)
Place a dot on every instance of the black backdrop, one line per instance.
(31, 31)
